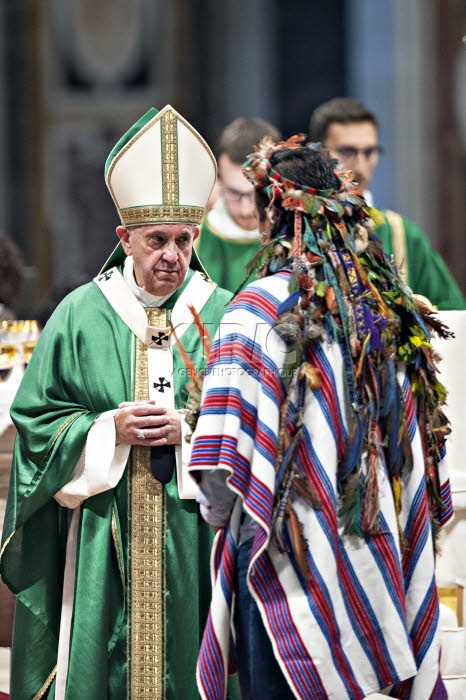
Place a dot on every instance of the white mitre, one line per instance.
(161, 170)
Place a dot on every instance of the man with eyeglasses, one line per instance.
(350, 130)
(229, 234)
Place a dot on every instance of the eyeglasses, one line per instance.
(235, 196)
(350, 153)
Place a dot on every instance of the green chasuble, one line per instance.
(142, 585)
(225, 258)
(425, 270)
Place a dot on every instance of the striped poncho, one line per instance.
(366, 616)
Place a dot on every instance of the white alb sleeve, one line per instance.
(100, 466)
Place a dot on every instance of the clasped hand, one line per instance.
(161, 426)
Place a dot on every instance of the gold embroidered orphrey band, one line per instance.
(146, 521)
(169, 138)
(157, 213)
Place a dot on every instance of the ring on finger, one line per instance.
(141, 434)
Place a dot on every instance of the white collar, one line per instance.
(219, 218)
(147, 300)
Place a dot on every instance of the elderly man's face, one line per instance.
(161, 254)
(356, 145)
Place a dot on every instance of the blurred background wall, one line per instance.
(75, 74)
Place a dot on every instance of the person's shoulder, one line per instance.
(272, 289)
(410, 228)
(223, 295)
(86, 294)
(275, 281)
(83, 290)
(202, 279)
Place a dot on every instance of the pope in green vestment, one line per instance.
(109, 564)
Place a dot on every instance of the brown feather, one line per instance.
(298, 541)
(202, 329)
(304, 489)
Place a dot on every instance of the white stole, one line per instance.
(159, 343)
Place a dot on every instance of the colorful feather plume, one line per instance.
(345, 288)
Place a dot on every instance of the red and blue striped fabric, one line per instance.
(366, 617)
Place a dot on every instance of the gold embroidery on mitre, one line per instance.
(147, 569)
(170, 158)
(157, 213)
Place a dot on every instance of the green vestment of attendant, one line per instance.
(224, 258)
(85, 364)
(425, 270)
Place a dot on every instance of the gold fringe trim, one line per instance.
(46, 685)
(5, 544)
(116, 542)
(62, 428)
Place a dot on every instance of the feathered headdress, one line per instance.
(344, 287)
